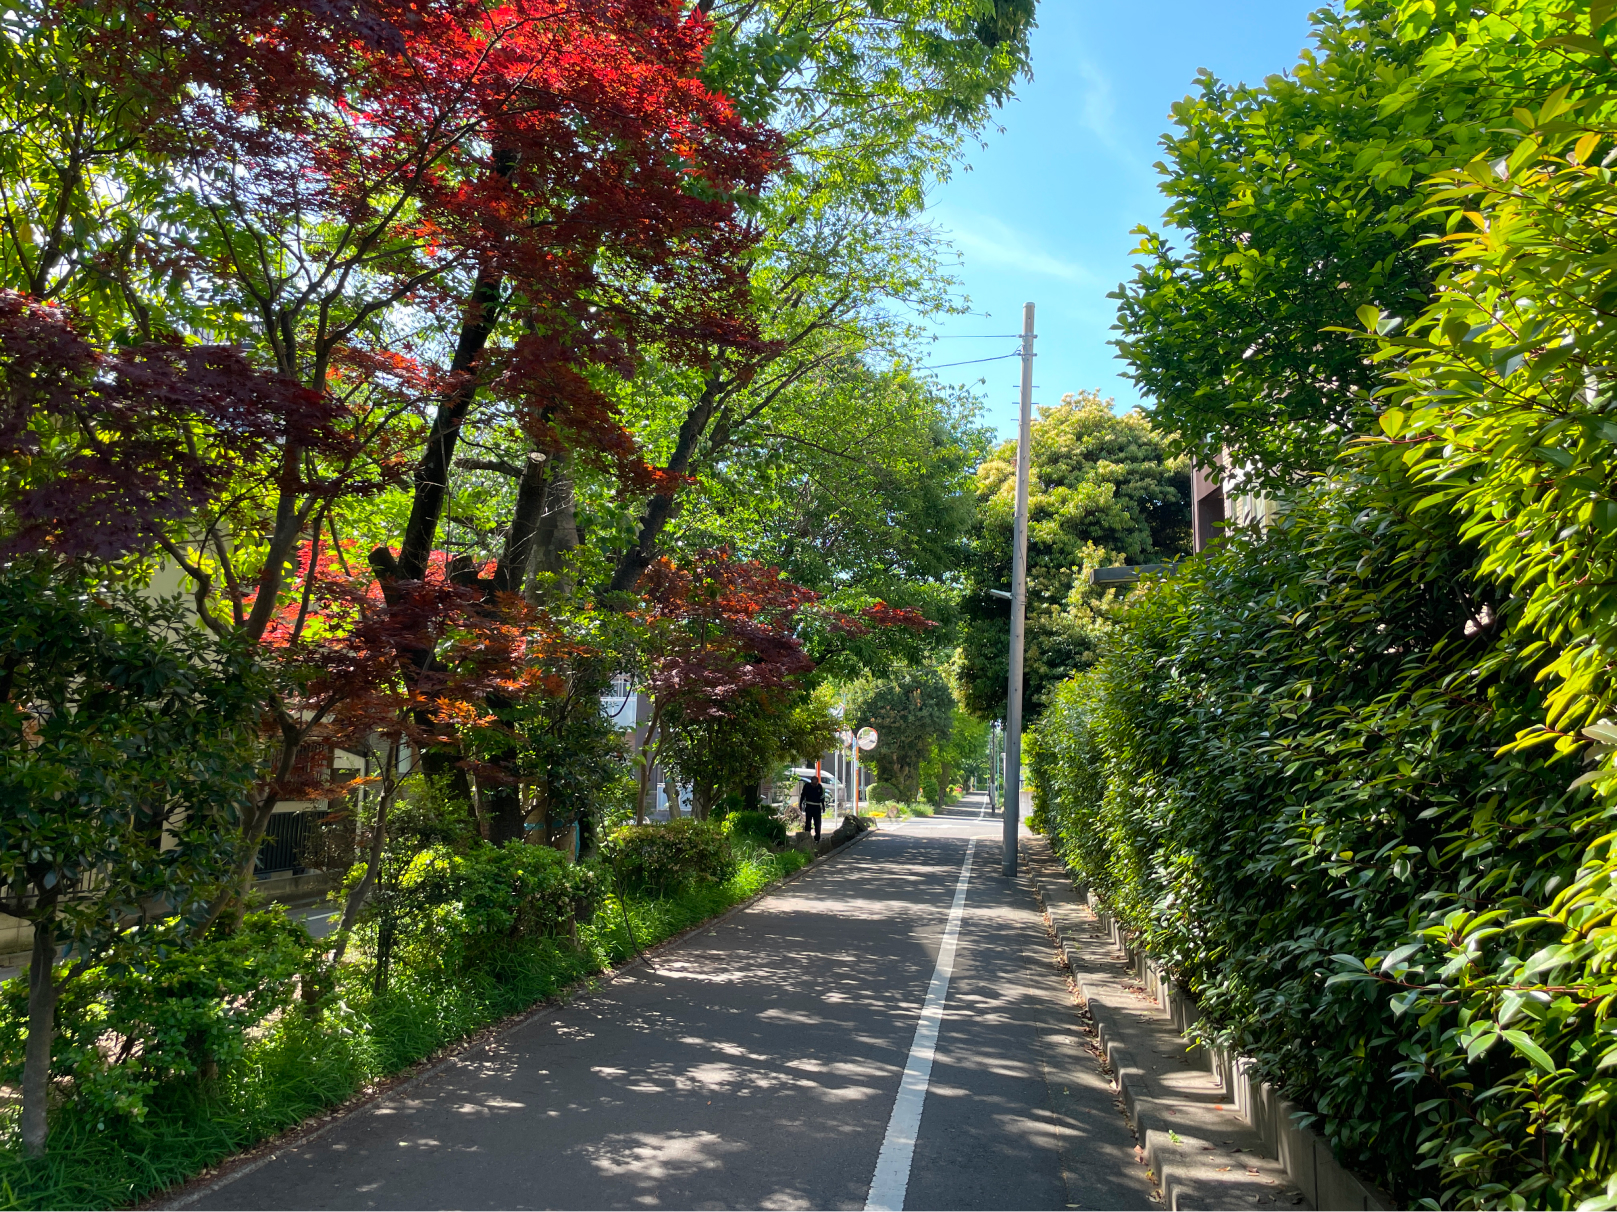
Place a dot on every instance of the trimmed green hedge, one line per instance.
(1286, 775)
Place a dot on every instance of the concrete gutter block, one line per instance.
(1263, 1105)
(1131, 1081)
(1338, 1188)
(1296, 1150)
(1245, 1091)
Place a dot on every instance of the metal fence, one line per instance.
(286, 841)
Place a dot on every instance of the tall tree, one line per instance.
(1298, 201)
(911, 710)
(873, 102)
(1102, 489)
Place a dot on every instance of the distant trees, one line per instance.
(1102, 489)
(960, 756)
(911, 709)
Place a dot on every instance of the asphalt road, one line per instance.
(757, 1066)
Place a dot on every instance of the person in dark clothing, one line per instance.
(812, 801)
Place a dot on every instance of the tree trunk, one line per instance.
(506, 818)
(648, 761)
(235, 892)
(432, 471)
(511, 575)
(36, 1073)
(543, 527)
(659, 510)
(557, 533)
(373, 858)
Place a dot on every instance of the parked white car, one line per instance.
(830, 782)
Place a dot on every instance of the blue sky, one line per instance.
(1044, 211)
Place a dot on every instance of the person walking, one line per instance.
(811, 799)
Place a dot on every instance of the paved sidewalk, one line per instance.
(1202, 1154)
(756, 1064)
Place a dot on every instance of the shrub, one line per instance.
(156, 1011)
(760, 826)
(882, 793)
(661, 858)
(457, 908)
(1291, 774)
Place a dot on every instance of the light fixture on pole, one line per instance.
(1013, 703)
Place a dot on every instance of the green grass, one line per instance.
(303, 1066)
(906, 810)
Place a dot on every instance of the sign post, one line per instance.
(844, 749)
(866, 740)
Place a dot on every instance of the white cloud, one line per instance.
(990, 243)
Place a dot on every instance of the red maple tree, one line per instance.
(721, 632)
(553, 166)
(552, 169)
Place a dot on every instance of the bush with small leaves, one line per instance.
(659, 859)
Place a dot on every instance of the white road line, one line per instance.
(892, 1177)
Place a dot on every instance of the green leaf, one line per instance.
(1520, 1041)
(1579, 42)
(1399, 955)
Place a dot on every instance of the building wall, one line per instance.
(1215, 498)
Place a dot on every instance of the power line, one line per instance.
(971, 361)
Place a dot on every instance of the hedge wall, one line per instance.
(1285, 774)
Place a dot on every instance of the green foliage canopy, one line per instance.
(1292, 204)
(1102, 489)
(911, 709)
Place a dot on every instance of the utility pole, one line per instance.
(1013, 703)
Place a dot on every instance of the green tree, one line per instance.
(874, 101)
(1292, 204)
(128, 746)
(1102, 489)
(859, 487)
(729, 755)
(911, 710)
(962, 755)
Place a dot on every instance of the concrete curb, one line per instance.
(1303, 1155)
(240, 1165)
